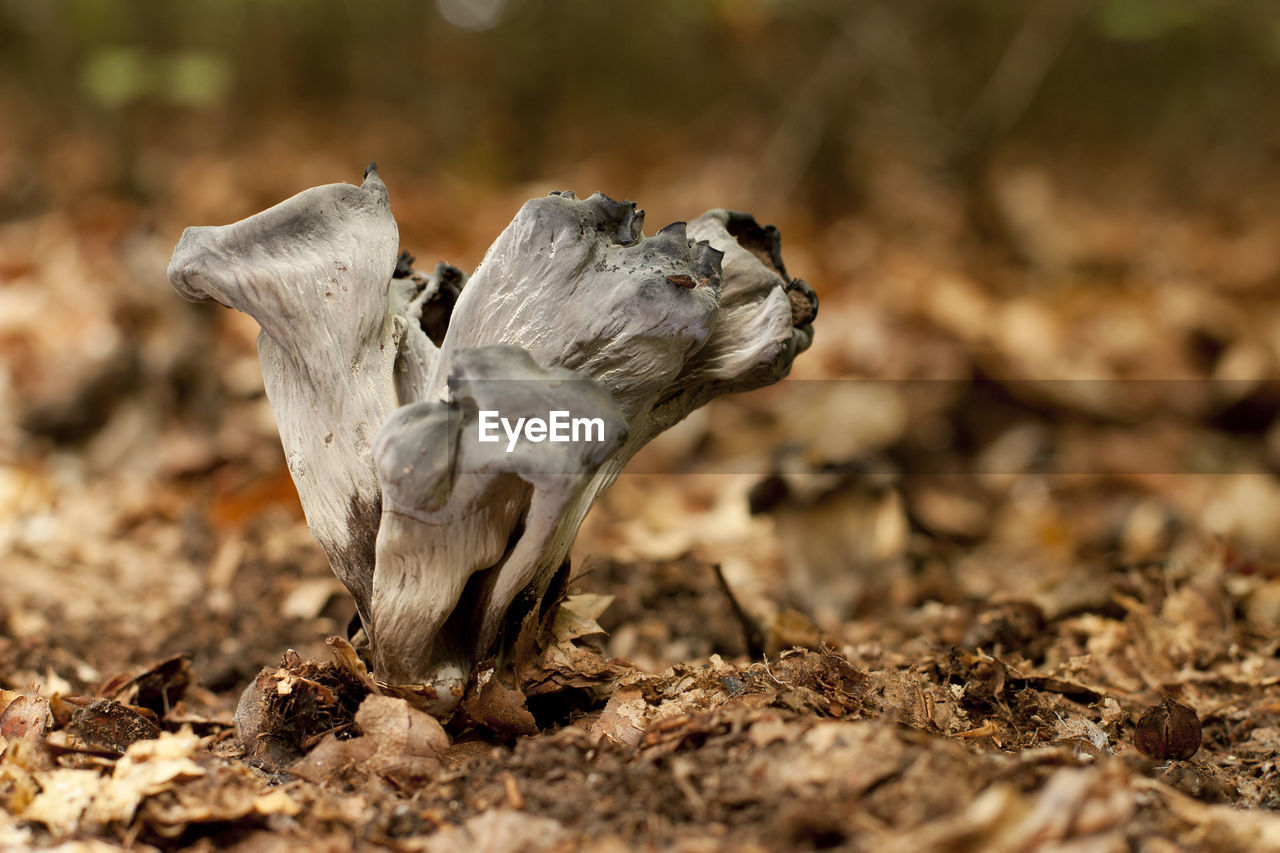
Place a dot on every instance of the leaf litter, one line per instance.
(939, 627)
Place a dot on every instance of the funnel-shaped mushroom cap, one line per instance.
(314, 272)
(577, 285)
(764, 319)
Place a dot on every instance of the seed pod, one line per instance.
(1168, 731)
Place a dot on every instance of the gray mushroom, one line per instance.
(573, 310)
(314, 271)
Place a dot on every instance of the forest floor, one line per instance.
(915, 597)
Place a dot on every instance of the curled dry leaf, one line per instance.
(497, 707)
(156, 686)
(398, 742)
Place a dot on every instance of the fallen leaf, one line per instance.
(498, 708)
(623, 719)
(64, 796)
(398, 742)
(108, 724)
(498, 831)
(148, 767)
(577, 617)
(157, 686)
(26, 718)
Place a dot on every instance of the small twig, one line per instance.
(60, 749)
(319, 736)
(752, 634)
(769, 672)
(987, 729)
(800, 131)
(514, 798)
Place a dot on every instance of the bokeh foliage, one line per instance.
(498, 88)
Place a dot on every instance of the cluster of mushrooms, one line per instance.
(377, 374)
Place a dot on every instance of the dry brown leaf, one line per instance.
(497, 707)
(108, 724)
(25, 718)
(577, 615)
(147, 768)
(399, 743)
(64, 796)
(497, 831)
(624, 718)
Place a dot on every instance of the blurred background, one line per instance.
(1044, 235)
